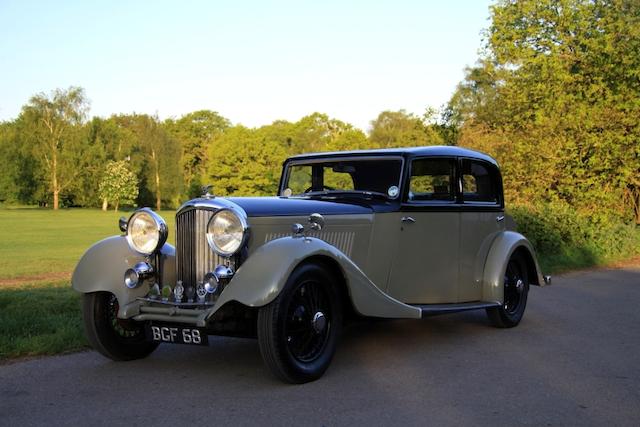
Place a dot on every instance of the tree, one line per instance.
(556, 98)
(118, 185)
(245, 163)
(156, 155)
(401, 129)
(196, 132)
(56, 121)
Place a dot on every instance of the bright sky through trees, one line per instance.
(253, 61)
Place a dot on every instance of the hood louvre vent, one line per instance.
(343, 240)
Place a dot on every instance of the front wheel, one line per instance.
(298, 331)
(117, 339)
(516, 289)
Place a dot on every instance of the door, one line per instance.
(481, 218)
(425, 265)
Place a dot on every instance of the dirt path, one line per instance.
(48, 277)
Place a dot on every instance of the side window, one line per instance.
(431, 179)
(479, 182)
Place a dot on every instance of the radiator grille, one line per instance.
(194, 256)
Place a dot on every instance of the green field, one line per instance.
(39, 312)
(36, 242)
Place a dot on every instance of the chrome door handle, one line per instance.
(407, 219)
(500, 218)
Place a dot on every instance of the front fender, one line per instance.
(504, 245)
(264, 274)
(102, 268)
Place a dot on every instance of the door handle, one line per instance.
(407, 219)
(500, 218)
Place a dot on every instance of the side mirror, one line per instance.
(122, 224)
(317, 221)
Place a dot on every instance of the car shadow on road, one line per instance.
(237, 360)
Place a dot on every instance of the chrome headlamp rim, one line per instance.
(161, 228)
(245, 234)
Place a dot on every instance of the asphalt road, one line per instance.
(574, 360)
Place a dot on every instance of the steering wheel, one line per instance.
(324, 187)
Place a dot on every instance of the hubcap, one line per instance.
(513, 288)
(319, 322)
(308, 324)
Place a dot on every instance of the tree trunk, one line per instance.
(105, 204)
(157, 190)
(157, 173)
(54, 181)
(116, 207)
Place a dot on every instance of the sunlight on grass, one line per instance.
(40, 241)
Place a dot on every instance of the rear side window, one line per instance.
(431, 179)
(479, 182)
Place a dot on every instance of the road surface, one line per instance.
(574, 360)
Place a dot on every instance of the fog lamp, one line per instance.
(210, 283)
(135, 276)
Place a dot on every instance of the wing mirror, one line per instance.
(317, 221)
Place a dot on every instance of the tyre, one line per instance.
(117, 339)
(298, 331)
(516, 289)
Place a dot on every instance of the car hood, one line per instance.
(283, 206)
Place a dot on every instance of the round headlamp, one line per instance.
(146, 231)
(226, 232)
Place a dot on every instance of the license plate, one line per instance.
(176, 335)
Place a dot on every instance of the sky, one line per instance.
(252, 61)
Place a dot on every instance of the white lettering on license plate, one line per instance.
(175, 335)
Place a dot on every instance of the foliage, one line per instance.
(197, 131)
(556, 99)
(245, 162)
(401, 129)
(118, 185)
(56, 132)
(155, 156)
(565, 238)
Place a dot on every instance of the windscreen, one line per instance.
(374, 176)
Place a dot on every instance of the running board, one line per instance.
(435, 309)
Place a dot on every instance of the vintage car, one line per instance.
(396, 233)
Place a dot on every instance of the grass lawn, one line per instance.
(40, 319)
(41, 315)
(39, 241)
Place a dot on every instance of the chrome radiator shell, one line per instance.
(194, 256)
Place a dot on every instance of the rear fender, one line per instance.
(505, 245)
(102, 268)
(264, 274)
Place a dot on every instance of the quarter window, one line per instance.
(431, 179)
(479, 182)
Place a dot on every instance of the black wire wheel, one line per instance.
(298, 331)
(516, 289)
(117, 339)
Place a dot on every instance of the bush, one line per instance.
(565, 238)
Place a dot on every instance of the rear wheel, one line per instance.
(516, 289)
(298, 331)
(117, 339)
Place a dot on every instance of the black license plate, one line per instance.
(177, 335)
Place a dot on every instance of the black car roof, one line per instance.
(434, 150)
